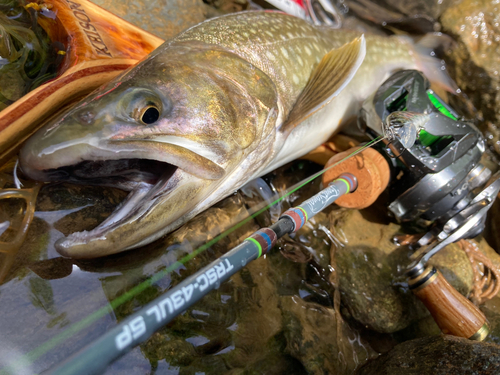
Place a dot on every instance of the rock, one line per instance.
(437, 355)
(492, 230)
(432, 9)
(413, 17)
(474, 64)
(259, 316)
(78, 207)
(320, 339)
(491, 308)
(422, 328)
(233, 327)
(371, 270)
(164, 19)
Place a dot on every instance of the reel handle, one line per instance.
(453, 313)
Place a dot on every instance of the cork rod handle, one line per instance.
(453, 313)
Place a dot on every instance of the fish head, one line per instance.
(170, 130)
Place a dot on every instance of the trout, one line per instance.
(220, 104)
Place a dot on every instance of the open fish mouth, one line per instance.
(145, 180)
(150, 183)
(167, 176)
(125, 174)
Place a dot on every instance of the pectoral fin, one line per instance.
(328, 79)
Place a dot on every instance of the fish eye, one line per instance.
(149, 115)
(142, 106)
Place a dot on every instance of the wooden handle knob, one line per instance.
(453, 313)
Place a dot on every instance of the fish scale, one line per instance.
(261, 38)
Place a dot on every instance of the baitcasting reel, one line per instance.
(438, 183)
(434, 155)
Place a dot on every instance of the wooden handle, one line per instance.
(453, 313)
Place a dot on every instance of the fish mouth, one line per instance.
(145, 180)
(175, 180)
(125, 174)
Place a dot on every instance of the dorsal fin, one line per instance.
(328, 79)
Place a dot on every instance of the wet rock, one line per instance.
(310, 243)
(492, 231)
(371, 271)
(417, 17)
(35, 243)
(275, 363)
(77, 207)
(320, 339)
(164, 19)
(259, 316)
(437, 355)
(60, 208)
(432, 8)
(491, 308)
(487, 250)
(474, 64)
(233, 327)
(422, 328)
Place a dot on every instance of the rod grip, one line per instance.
(453, 313)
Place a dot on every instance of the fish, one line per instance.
(222, 103)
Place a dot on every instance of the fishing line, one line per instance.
(85, 322)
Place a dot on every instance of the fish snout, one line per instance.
(29, 163)
(57, 145)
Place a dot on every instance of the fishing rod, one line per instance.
(118, 301)
(138, 327)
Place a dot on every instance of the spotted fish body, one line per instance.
(287, 48)
(232, 98)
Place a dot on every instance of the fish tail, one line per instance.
(432, 67)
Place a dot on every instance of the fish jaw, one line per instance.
(162, 197)
(44, 163)
(140, 219)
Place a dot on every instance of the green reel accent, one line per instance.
(439, 105)
(425, 138)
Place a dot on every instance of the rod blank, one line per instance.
(94, 358)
